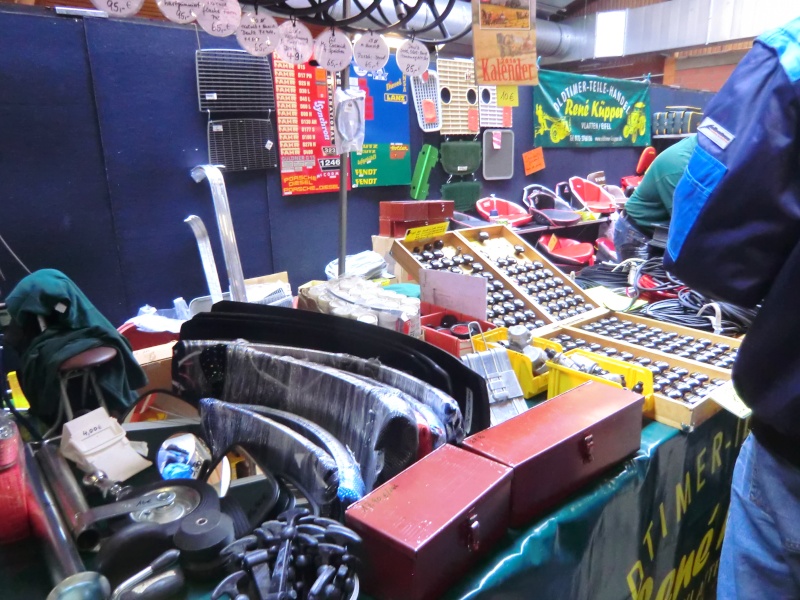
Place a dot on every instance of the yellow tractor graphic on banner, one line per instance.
(559, 128)
(636, 124)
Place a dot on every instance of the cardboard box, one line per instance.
(560, 445)
(427, 526)
(156, 362)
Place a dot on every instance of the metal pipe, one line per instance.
(68, 495)
(344, 167)
(223, 210)
(206, 256)
(48, 525)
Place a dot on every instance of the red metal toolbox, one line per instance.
(439, 210)
(424, 528)
(397, 229)
(404, 210)
(560, 445)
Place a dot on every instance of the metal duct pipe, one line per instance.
(552, 39)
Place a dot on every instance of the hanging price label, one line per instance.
(258, 34)
(179, 11)
(371, 52)
(219, 18)
(413, 58)
(119, 8)
(333, 50)
(296, 43)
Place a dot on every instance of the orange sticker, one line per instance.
(473, 122)
(533, 161)
(551, 243)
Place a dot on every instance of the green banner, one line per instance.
(583, 111)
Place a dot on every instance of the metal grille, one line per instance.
(242, 144)
(491, 114)
(457, 76)
(233, 81)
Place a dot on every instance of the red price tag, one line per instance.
(507, 122)
(473, 121)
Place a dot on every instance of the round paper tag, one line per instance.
(179, 11)
(258, 34)
(413, 58)
(333, 50)
(219, 17)
(371, 52)
(119, 8)
(296, 44)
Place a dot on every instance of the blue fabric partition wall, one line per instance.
(99, 128)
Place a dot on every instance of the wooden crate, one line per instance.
(675, 413)
(402, 252)
(501, 244)
(577, 324)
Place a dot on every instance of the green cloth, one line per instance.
(651, 203)
(80, 327)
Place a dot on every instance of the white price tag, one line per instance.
(371, 52)
(258, 34)
(728, 399)
(219, 18)
(211, 95)
(413, 58)
(333, 50)
(296, 43)
(269, 145)
(217, 128)
(179, 11)
(119, 8)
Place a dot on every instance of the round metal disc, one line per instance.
(184, 501)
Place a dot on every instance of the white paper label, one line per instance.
(728, 399)
(119, 8)
(258, 34)
(269, 145)
(219, 17)
(413, 58)
(179, 11)
(211, 96)
(371, 52)
(296, 44)
(333, 50)
(216, 128)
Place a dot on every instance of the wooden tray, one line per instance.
(576, 325)
(501, 244)
(402, 252)
(674, 413)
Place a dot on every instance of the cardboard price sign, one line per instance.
(533, 161)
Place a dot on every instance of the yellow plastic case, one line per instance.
(563, 379)
(523, 368)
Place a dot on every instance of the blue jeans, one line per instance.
(628, 241)
(761, 550)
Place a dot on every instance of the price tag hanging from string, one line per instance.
(179, 11)
(413, 58)
(333, 50)
(258, 34)
(219, 18)
(371, 52)
(296, 43)
(119, 8)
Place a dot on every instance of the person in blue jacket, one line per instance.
(735, 235)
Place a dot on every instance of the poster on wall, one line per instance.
(583, 111)
(309, 163)
(385, 158)
(504, 42)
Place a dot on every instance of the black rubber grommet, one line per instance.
(448, 321)
(211, 570)
(203, 534)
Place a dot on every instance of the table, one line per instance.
(651, 525)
